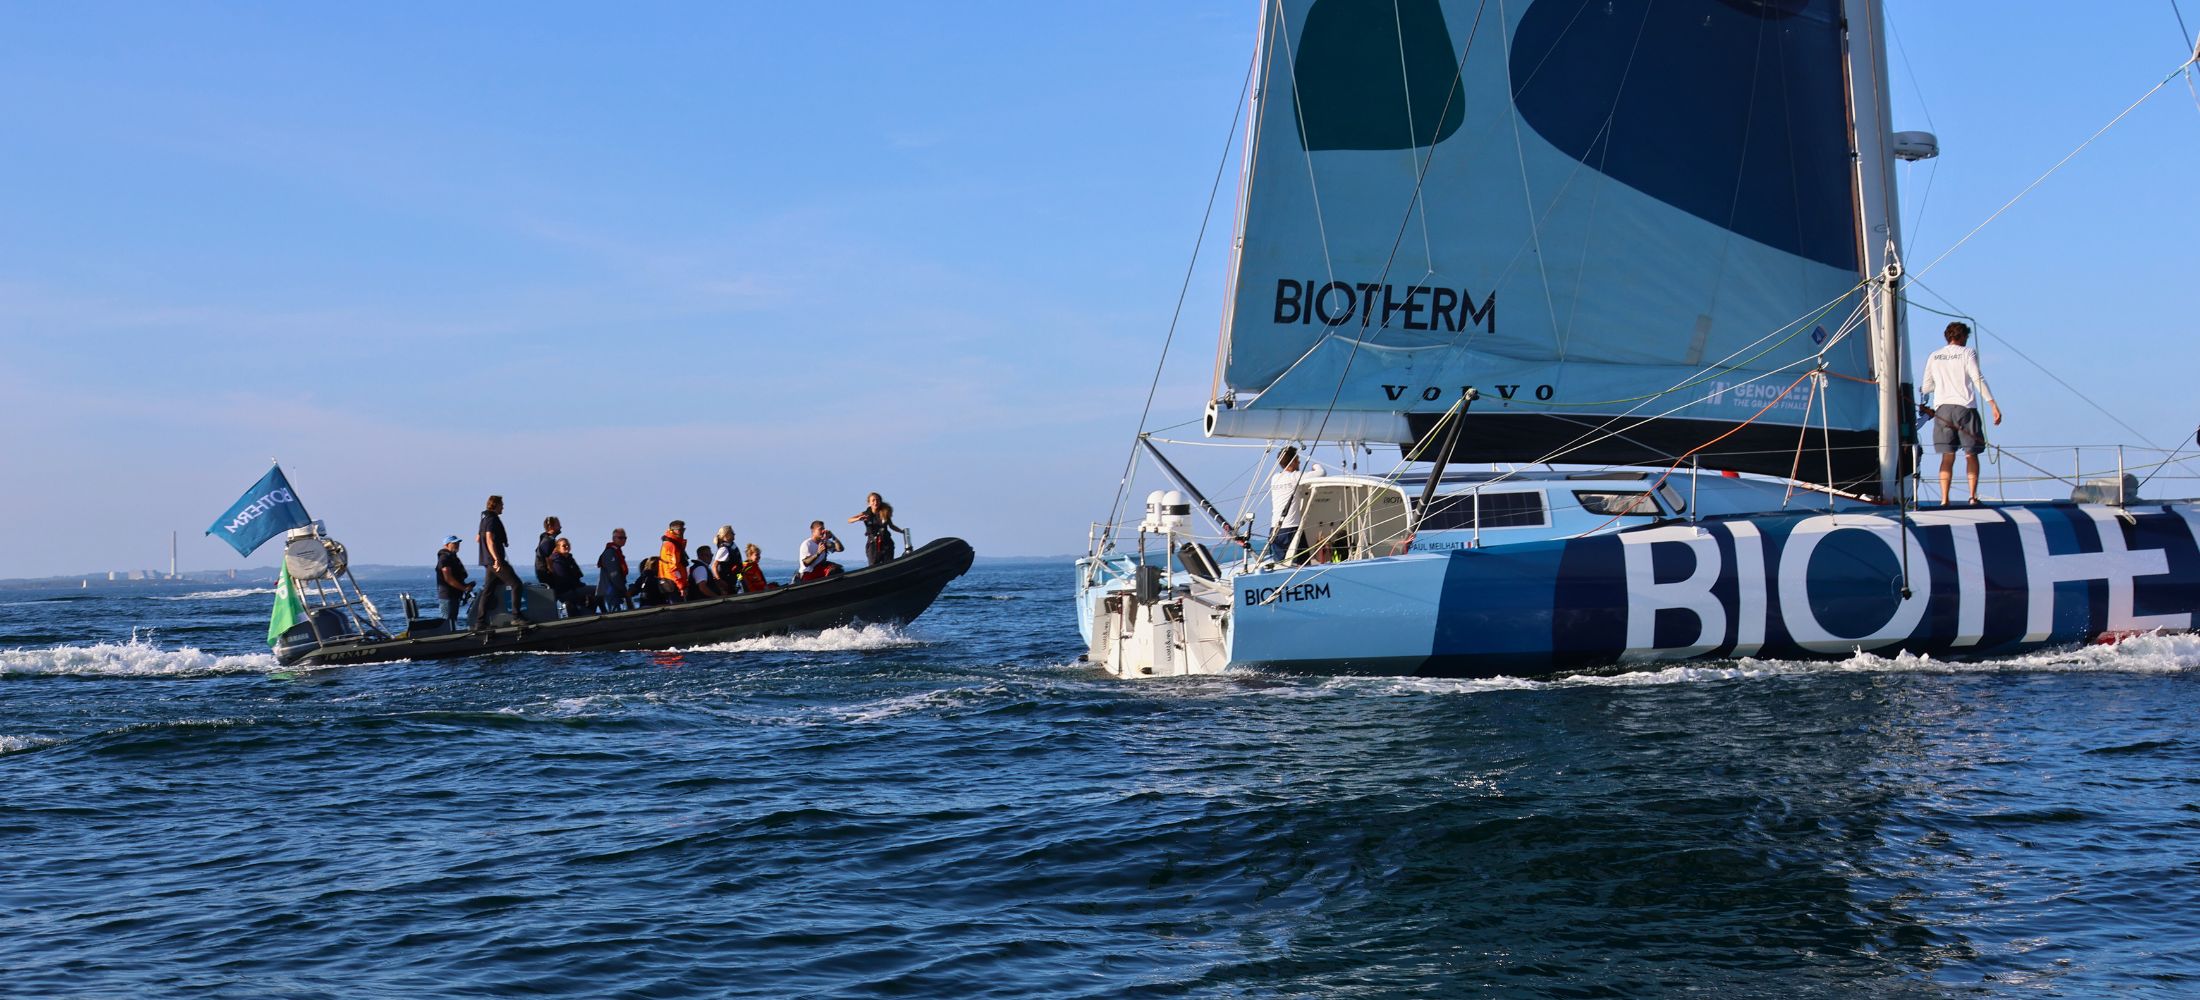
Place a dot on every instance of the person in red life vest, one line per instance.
(816, 554)
(672, 561)
(752, 572)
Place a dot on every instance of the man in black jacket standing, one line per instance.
(498, 571)
(611, 573)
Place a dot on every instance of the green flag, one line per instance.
(289, 608)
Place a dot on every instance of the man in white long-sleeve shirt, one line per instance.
(1949, 374)
(1284, 507)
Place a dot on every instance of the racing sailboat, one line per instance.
(1647, 256)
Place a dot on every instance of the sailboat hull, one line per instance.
(1953, 582)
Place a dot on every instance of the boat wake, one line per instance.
(845, 639)
(218, 595)
(138, 657)
(2149, 653)
(18, 744)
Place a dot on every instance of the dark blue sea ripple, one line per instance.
(959, 809)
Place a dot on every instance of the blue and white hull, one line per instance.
(1952, 582)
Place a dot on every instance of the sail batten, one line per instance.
(1624, 211)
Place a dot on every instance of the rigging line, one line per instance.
(1573, 173)
(1306, 153)
(1802, 439)
(1596, 188)
(1527, 193)
(2028, 359)
(1825, 435)
(1741, 170)
(1684, 456)
(1721, 366)
(1183, 291)
(2184, 37)
(1314, 192)
(1917, 221)
(2164, 464)
(2103, 130)
(1473, 32)
(1413, 136)
(1601, 432)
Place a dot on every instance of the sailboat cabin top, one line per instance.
(1351, 516)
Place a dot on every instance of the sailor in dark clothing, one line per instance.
(649, 588)
(451, 585)
(878, 527)
(545, 544)
(493, 544)
(563, 576)
(611, 574)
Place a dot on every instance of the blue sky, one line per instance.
(734, 263)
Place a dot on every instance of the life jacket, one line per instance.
(672, 561)
(752, 578)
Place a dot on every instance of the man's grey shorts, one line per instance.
(1958, 428)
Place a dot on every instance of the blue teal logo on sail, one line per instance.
(259, 505)
(268, 509)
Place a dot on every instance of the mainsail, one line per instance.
(1631, 226)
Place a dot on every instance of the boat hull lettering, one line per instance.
(1954, 582)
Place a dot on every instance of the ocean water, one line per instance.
(959, 809)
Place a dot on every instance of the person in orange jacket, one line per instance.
(672, 559)
(752, 571)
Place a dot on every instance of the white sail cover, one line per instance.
(1630, 210)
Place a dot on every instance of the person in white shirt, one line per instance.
(1949, 374)
(817, 551)
(700, 580)
(1284, 505)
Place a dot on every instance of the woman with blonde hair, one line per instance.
(725, 561)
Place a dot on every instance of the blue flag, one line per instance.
(268, 509)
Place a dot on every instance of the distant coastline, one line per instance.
(265, 575)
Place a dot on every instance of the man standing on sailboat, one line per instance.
(1284, 508)
(1949, 373)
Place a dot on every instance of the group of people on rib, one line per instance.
(672, 576)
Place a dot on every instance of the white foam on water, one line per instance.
(907, 704)
(217, 595)
(138, 657)
(17, 744)
(2148, 653)
(845, 639)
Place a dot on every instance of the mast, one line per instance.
(1879, 233)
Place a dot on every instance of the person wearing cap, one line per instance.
(672, 561)
(451, 585)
